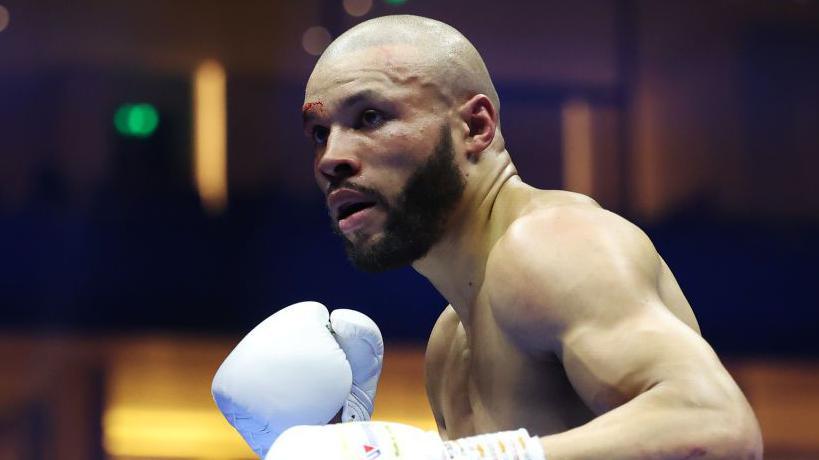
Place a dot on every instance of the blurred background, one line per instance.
(157, 200)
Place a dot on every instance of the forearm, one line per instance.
(662, 424)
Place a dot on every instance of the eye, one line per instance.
(320, 134)
(371, 118)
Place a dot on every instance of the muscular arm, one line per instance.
(583, 284)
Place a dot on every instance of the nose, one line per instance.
(338, 161)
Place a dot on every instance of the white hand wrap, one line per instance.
(395, 441)
(504, 445)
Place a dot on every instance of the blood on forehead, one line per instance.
(316, 107)
(312, 110)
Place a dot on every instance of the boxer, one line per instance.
(566, 335)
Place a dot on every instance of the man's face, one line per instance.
(417, 219)
(384, 159)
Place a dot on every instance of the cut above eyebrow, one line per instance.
(309, 114)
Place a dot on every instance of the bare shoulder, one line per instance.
(554, 264)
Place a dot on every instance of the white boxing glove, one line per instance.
(289, 370)
(361, 341)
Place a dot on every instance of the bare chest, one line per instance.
(486, 384)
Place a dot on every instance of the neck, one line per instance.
(455, 265)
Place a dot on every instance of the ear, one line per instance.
(481, 120)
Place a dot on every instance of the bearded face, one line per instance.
(417, 219)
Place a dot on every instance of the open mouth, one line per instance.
(348, 210)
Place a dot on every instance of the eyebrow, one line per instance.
(309, 114)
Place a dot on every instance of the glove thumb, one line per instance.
(359, 338)
(361, 341)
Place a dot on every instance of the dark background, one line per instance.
(121, 291)
(712, 150)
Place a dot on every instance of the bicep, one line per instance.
(589, 292)
(610, 363)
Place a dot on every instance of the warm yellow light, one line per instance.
(171, 433)
(210, 135)
(159, 406)
(158, 402)
(578, 154)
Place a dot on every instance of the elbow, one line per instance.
(748, 441)
(724, 427)
(731, 436)
(747, 436)
(743, 444)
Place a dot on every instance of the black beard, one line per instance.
(418, 219)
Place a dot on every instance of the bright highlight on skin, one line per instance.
(357, 8)
(315, 40)
(210, 135)
(136, 120)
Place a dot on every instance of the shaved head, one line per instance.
(400, 110)
(417, 50)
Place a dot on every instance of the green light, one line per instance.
(136, 120)
(395, 2)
